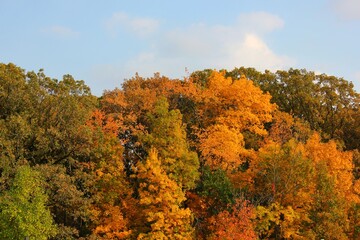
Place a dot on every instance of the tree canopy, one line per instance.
(231, 154)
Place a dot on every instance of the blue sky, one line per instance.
(105, 42)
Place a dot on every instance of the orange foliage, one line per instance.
(281, 131)
(339, 164)
(109, 177)
(113, 225)
(106, 124)
(227, 108)
(233, 224)
(221, 147)
(238, 104)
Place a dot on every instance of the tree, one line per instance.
(214, 194)
(167, 133)
(329, 104)
(12, 90)
(227, 108)
(217, 189)
(109, 216)
(161, 199)
(283, 186)
(283, 174)
(43, 125)
(329, 213)
(338, 163)
(23, 208)
(222, 147)
(236, 103)
(235, 223)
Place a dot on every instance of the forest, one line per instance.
(229, 154)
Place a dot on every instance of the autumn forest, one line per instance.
(229, 154)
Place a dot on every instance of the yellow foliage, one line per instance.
(161, 198)
(284, 222)
(237, 104)
(222, 147)
(339, 164)
(113, 224)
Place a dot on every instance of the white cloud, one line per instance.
(61, 32)
(347, 9)
(222, 46)
(252, 51)
(201, 46)
(138, 26)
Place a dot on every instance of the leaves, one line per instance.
(23, 210)
(161, 199)
(234, 224)
(218, 155)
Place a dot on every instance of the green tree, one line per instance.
(167, 133)
(42, 122)
(217, 188)
(23, 210)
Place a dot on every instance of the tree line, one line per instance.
(237, 154)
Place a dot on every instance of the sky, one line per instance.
(105, 42)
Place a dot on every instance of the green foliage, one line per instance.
(328, 213)
(42, 122)
(217, 187)
(12, 90)
(329, 104)
(167, 133)
(283, 174)
(23, 210)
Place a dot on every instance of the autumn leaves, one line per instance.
(214, 156)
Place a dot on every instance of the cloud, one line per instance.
(347, 9)
(138, 26)
(61, 32)
(220, 46)
(200, 46)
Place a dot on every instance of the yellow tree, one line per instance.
(227, 108)
(236, 103)
(161, 200)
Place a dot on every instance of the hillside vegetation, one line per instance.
(238, 154)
